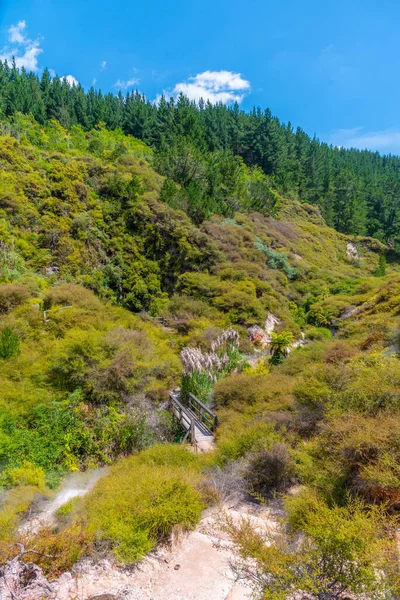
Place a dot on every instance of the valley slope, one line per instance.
(104, 279)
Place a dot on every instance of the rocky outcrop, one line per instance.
(258, 336)
(352, 251)
(261, 337)
(23, 581)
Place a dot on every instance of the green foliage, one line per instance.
(27, 474)
(381, 270)
(13, 505)
(198, 384)
(59, 439)
(58, 551)
(276, 260)
(203, 370)
(242, 389)
(9, 344)
(358, 452)
(88, 229)
(365, 384)
(12, 295)
(143, 499)
(328, 551)
(209, 151)
(64, 397)
(280, 345)
(247, 437)
(318, 333)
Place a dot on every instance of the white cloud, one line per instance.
(15, 34)
(52, 73)
(103, 65)
(94, 81)
(25, 51)
(70, 79)
(221, 80)
(124, 85)
(385, 140)
(216, 86)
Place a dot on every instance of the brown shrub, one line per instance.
(368, 449)
(12, 295)
(240, 389)
(72, 294)
(371, 340)
(111, 383)
(268, 471)
(57, 552)
(339, 352)
(247, 389)
(225, 484)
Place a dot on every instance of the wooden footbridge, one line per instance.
(198, 421)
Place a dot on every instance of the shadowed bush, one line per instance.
(269, 471)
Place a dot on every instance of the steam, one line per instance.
(74, 485)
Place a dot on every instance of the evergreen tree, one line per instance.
(195, 145)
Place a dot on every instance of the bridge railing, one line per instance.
(193, 412)
(203, 413)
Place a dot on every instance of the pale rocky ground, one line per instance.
(197, 566)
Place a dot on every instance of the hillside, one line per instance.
(201, 146)
(108, 269)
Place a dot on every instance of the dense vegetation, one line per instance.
(117, 257)
(203, 147)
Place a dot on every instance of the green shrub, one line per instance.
(339, 352)
(327, 552)
(361, 453)
(318, 333)
(241, 389)
(277, 260)
(70, 294)
(69, 435)
(13, 505)
(202, 370)
(142, 500)
(368, 384)
(198, 384)
(9, 344)
(280, 346)
(57, 551)
(244, 437)
(27, 474)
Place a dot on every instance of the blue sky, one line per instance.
(330, 67)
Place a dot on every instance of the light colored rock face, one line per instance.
(298, 343)
(349, 312)
(270, 324)
(352, 251)
(14, 572)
